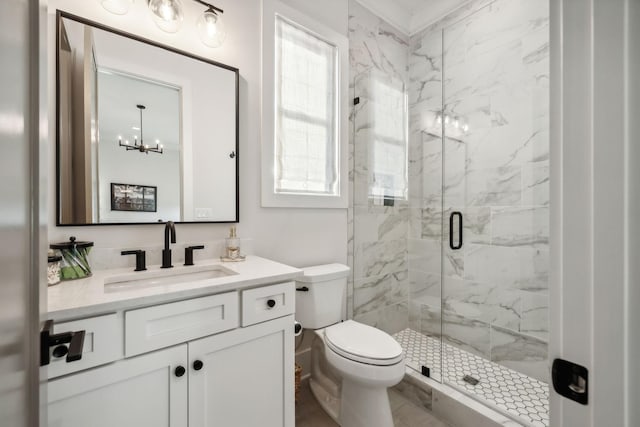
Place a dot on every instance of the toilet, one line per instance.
(352, 364)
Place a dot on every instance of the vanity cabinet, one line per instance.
(142, 391)
(245, 377)
(188, 363)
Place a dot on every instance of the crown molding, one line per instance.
(437, 10)
(391, 12)
(412, 22)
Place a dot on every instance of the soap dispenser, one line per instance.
(232, 245)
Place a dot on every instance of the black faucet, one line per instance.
(141, 258)
(169, 229)
(188, 254)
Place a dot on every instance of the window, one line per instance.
(304, 109)
(388, 150)
(305, 132)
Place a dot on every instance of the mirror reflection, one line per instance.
(145, 133)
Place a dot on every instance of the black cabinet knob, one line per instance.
(179, 371)
(197, 365)
(271, 303)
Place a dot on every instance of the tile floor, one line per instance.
(511, 392)
(405, 413)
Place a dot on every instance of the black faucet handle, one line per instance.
(188, 254)
(141, 258)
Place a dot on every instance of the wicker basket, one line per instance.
(298, 378)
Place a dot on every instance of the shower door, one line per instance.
(495, 206)
(394, 278)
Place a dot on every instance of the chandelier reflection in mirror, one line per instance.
(168, 16)
(140, 146)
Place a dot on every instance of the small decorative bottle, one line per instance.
(232, 245)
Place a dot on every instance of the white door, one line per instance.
(243, 378)
(22, 220)
(144, 391)
(595, 187)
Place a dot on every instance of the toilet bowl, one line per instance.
(353, 364)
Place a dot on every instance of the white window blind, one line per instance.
(306, 88)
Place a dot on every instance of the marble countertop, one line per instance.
(90, 296)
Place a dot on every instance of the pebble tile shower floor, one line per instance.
(519, 395)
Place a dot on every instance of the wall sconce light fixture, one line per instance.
(210, 26)
(168, 16)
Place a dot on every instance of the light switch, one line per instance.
(204, 213)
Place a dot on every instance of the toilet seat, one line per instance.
(362, 343)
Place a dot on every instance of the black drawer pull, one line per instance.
(271, 303)
(197, 365)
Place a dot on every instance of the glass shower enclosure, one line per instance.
(458, 153)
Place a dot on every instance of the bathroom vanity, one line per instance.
(207, 345)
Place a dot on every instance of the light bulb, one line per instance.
(210, 28)
(118, 7)
(167, 14)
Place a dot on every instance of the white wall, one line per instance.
(632, 292)
(295, 236)
(594, 188)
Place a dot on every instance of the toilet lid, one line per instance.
(363, 343)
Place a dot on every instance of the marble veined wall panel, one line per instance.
(378, 234)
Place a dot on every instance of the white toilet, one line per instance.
(352, 364)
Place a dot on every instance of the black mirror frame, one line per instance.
(59, 16)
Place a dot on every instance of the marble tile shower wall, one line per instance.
(378, 245)
(493, 298)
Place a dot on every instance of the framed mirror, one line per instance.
(145, 133)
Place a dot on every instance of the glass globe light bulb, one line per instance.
(210, 28)
(118, 7)
(167, 14)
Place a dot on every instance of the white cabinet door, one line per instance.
(246, 377)
(142, 392)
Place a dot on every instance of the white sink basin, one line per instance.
(162, 277)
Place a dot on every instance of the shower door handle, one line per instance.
(451, 220)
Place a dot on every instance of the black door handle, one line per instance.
(570, 380)
(460, 226)
(197, 365)
(48, 339)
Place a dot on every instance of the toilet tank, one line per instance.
(321, 295)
